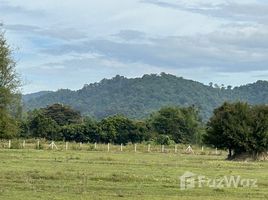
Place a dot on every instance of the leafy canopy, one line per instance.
(9, 97)
(240, 128)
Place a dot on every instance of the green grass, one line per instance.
(47, 174)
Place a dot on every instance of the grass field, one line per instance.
(51, 174)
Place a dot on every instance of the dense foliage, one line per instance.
(137, 98)
(180, 124)
(59, 122)
(42, 126)
(9, 95)
(240, 128)
(62, 115)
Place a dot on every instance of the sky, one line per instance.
(68, 43)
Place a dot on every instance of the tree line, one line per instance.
(237, 127)
(60, 122)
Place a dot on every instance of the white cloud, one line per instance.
(90, 40)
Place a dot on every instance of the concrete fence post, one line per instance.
(163, 148)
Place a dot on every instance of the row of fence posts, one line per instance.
(52, 145)
(23, 143)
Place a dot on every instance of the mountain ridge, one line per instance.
(138, 97)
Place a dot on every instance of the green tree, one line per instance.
(121, 130)
(163, 140)
(74, 132)
(92, 130)
(228, 127)
(240, 128)
(62, 114)
(88, 131)
(42, 126)
(258, 138)
(108, 130)
(180, 124)
(9, 98)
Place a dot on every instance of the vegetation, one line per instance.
(41, 126)
(155, 109)
(68, 175)
(59, 122)
(240, 128)
(180, 124)
(9, 95)
(118, 103)
(137, 98)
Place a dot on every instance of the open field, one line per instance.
(51, 174)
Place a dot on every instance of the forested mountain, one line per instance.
(138, 97)
(28, 97)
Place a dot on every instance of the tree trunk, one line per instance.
(230, 153)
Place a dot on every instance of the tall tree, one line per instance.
(9, 93)
(62, 114)
(240, 128)
(88, 131)
(258, 139)
(121, 130)
(42, 126)
(180, 124)
(228, 127)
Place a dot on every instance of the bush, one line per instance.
(164, 140)
(15, 144)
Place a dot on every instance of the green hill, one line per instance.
(138, 97)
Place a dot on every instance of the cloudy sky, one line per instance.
(67, 43)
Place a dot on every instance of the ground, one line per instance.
(74, 174)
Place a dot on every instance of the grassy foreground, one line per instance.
(47, 174)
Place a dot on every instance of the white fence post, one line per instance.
(52, 145)
(149, 148)
(66, 146)
(38, 144)
(121, 147)
(95, 145)
(163, 148)
(135, 148)
(108, 147)
(9, 144)
(23, 144)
